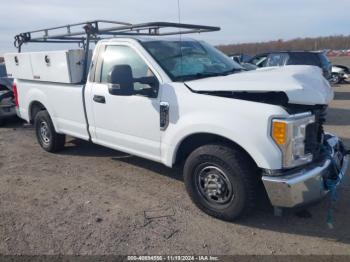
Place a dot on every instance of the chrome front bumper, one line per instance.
(304, 186)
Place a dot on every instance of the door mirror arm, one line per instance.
(147, 80)
(152, 81)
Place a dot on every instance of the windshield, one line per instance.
(188, 60)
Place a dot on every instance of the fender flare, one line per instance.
(36, 96)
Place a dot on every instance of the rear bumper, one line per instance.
(7, 111)
(7, 107)
(304, 186)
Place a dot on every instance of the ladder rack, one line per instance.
(92, 31)
(83, 32)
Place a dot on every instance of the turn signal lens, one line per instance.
(279, 132)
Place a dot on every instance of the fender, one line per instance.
(252, 136)
(259, 155)
(246, 123)
(36, 95)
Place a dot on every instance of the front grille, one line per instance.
(314, 133)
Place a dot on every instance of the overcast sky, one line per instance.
(240, 20)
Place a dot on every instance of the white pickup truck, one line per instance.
(181, 101)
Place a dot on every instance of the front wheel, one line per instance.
(335, 78)
(47, 137)
(222, 181)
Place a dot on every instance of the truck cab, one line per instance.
(180, 101)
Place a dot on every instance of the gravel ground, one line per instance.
(92, 200)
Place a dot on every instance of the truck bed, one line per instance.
(63, 101)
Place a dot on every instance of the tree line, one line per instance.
(339, 42)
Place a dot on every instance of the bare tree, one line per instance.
(339, 42)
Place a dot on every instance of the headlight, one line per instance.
(289, 135)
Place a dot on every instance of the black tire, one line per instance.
(233, 169)
(2, 121)
(46, 134)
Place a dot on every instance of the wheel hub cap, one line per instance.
(44, 132)
(214, 185)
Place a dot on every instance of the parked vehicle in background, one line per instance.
(7, 103)
(345, 68)
(183, 102)
(240, 58)
(339, 74)
(5, 82)
(283, 58)
(243, 59)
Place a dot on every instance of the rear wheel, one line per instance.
(221, 181)
(47, 137)
(2, 121)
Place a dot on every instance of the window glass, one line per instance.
(124, 55)
(324, 59)
(277, 59)
(304, 58)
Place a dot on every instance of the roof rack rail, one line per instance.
(93, 30)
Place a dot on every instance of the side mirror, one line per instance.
(121, 81)
(153, 84)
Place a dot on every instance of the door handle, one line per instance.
(99, 99)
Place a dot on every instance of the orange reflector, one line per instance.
(279, 132)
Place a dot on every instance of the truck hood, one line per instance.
(303, 85)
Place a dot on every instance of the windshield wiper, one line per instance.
(208, 74)
(199, 76)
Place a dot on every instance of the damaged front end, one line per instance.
(312, 161)
(318, 168)
(273, 98)
(300, 186)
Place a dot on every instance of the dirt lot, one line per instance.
(92, 200)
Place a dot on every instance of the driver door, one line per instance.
(127, 123)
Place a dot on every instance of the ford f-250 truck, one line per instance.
(181, 101)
